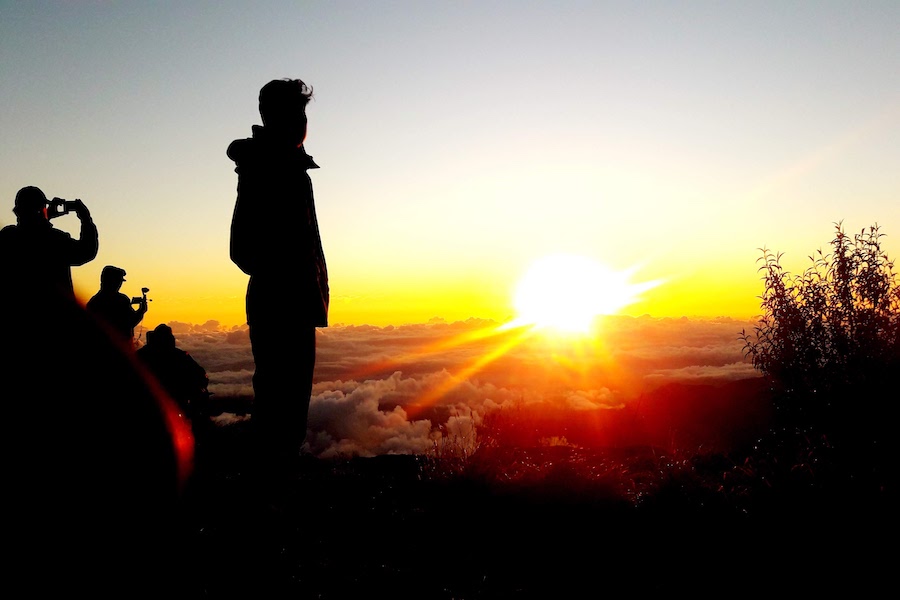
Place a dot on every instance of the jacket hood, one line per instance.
(242, 149)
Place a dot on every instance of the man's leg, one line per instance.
(282, 385)
(306, 340)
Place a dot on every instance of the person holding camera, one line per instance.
(94, 457)
(36, 259)
(284, 259)
(114, 308)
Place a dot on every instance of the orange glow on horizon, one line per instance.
(568, 307)
(579, 360)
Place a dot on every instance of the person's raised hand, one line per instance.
(81, 210)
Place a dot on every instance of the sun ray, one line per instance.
(432, 348)
(560, 300)
(466, 372)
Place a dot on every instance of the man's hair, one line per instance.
(111, 275)
(161, 336)
(281, 96)
(30, 200)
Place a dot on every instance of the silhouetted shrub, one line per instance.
(828, 339)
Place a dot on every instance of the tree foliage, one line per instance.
(833, 331)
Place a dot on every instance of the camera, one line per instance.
(59, 207)
(141, 299)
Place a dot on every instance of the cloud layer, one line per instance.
(408, 389)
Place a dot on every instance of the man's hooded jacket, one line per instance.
(274, 231)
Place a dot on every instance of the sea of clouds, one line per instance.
(397, 390)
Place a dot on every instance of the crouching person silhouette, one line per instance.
(181, 376)
(275, 240)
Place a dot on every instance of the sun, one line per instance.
(568, 292)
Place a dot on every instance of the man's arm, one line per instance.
(248, 233)
(84, 249)
(139, 313)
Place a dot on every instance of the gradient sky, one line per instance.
(461, 141)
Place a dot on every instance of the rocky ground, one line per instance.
(592, 523)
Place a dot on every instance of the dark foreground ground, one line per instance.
(562, 523)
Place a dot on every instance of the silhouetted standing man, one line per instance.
(113, 307)
(275, 240)
(36, 259)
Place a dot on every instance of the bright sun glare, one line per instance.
(567, 292)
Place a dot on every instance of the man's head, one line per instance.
(282, 106)
(112, 277)
(31, 202)
(162, 336)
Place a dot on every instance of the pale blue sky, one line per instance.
(460, 141)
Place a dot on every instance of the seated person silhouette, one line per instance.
(113, 307)
(181, 376)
